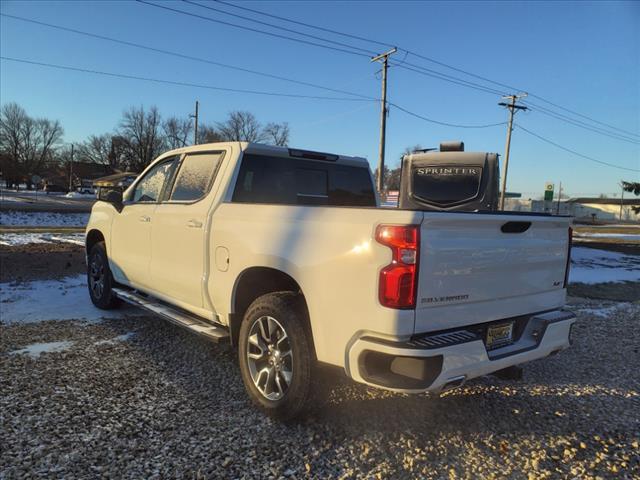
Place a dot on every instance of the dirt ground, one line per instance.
(136, 397)
(37, 261)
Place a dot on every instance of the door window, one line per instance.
(195, 176)
(149, 189)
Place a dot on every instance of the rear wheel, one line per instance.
(99, 278)
(276, 355)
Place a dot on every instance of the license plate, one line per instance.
(499, 335)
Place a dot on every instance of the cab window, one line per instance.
(149, 189)
(294, 181)
(195, 176)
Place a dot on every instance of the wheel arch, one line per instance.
(93, 236)
(254, 282)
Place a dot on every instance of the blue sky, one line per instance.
(581, 55)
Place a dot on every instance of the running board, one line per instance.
(217, 334)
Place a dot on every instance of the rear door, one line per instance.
(178, 235)
(481, 267)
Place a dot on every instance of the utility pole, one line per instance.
(384, 57)
(512, 109)
(621, 198)
(71, 170)
(559, 197)
(195, 130)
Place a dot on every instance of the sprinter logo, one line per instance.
(448, 171)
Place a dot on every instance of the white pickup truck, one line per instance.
(286, 254)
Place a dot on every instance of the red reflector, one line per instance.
(399, 279)
(568, 265)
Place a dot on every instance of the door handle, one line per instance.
(194, 224)
(144, 218)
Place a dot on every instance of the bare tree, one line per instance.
(13, 119)
(241, 127)
(141, 132)
(176, 132)
(120, 155)
(95, 149)
(28, 142)
(277, 133)
(208, 134)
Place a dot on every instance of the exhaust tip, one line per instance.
(454, 382)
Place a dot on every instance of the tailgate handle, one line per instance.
(515, 227)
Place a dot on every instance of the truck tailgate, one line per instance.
(481, 267)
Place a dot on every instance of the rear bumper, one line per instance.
(432, 363)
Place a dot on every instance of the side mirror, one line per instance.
(112, 196)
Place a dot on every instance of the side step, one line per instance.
(217, 334)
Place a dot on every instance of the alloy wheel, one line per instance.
(269, 357)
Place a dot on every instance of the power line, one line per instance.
(179, 83)
(187, 57)
(437, 62)
(255, 30)
(308, 35)
(574, 152)
(336, 32)
(581, 115)
(328, 30)
(447, 78)
(233, 90)
(541, 109)
(234, 67)
(430, 120)
(411, 67)
(406, 65)
(578, 123)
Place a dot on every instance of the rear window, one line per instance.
(289, 181)
(446, 185)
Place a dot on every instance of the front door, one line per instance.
(130, 253)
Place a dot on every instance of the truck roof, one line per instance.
(277, 151)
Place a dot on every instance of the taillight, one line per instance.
(399, 279)
(568, 266)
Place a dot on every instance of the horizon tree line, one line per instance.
(30, 146)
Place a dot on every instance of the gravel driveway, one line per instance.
(139, 398)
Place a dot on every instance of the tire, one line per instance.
(99, 278)
(278, 375)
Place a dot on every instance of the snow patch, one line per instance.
(119, 338)
(38, 219)
(65, 299)
(590, 265)
(623, 225)
(16, 239)
(619, 236)
(36, 349)
(79, 195)
(603, 312)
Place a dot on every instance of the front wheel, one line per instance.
(276, 356)
(99, 278)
